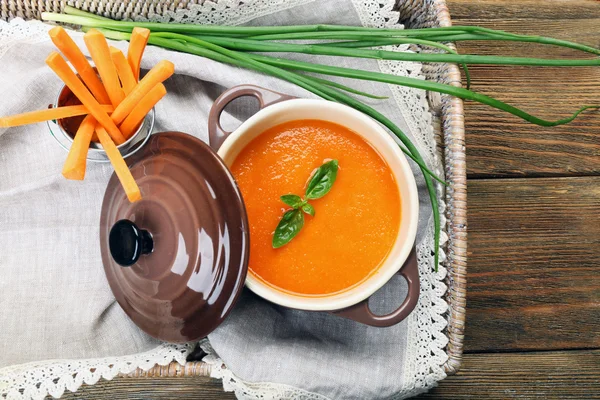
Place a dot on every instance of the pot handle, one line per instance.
(362, 313)
(265, 97)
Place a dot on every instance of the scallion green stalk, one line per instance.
(418, 84)
(476, 33)
(521, 38)
(220, 29)
(379, 32)
(80, 13)
(301, 32)
(323, 49)
(238, 44)
(382, 77)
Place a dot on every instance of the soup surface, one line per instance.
(355, 225)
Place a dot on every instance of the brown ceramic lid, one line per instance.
(186, 241)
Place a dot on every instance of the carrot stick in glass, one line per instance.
(71, 51)
(33, 117)
(159, 73)
(62, 69)
(137, 44)
(128, 81)
(98, 48)
(121, 169)
(136, 116)
(74, 167)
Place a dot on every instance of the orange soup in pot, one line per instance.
(355, 224)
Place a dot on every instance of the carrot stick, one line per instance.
(156, 75)
(128, 81)
(74, 167)
(136, 116)
(98, 48)
(61, 68)
(47, 115)
(137, 44)
(121, 169)
(67, 46)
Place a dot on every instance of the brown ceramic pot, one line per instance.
(277, 108)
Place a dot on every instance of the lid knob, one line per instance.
(127, 242)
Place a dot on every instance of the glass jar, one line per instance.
(96, 153)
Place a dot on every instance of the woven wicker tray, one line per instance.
(449, 128)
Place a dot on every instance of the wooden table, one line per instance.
(533, 319)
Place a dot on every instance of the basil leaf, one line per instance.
(289, 226)
(309, 209)
(322, 181)
(292, 200)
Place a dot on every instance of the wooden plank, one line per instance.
(502, 145)
(534, 271)
(490, 10)
(195, 388)
(549, 375)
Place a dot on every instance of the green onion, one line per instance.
(527, 39)
(388, 78)
(354, 40)
(78, 17)
(376, 32)
(239, 45)
(445, 34)
(80, 13)
(439, 36)
(253, 45)
(217, 29)
(416, 83)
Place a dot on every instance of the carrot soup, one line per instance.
(355, 224)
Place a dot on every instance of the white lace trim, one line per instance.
(425, 349)
(223, 12)
(36, 380)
